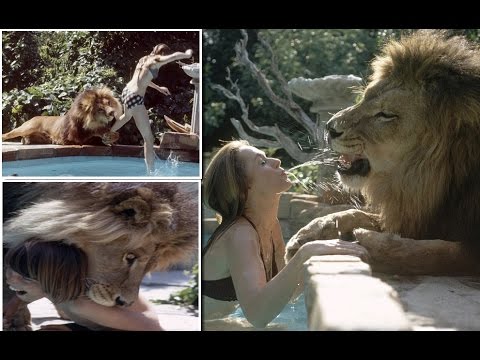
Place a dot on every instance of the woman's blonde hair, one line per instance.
(59, 268)
(225, 186)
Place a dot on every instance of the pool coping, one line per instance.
(12, 151)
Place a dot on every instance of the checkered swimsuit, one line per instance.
(131, 99)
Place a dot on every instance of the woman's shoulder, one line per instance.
(239, 230)
(242, 230)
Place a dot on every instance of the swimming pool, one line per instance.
(97, 166)
(292, 318)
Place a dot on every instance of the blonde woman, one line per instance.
(134, 92)
(243, 261)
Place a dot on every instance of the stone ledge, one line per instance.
(173, 140)
(16, 151)
(340, 294)
(336, 264)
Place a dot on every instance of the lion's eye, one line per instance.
(130, 258)
(128, 213)
(385, 116)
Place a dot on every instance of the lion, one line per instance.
(87, 120)
(126, 229)
(410, 146)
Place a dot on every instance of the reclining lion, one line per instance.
(87, 120)
(126, 229)
(411, 146)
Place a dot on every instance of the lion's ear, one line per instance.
(137, 208)
(87, 102)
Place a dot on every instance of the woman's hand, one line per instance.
(333, 247)
(164, 90)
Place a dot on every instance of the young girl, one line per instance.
(36, 269)
(133, 94)
(243, 262)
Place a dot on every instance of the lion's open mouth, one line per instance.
(351, 164)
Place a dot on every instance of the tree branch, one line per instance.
(252, 140)
(282, 140)
(290, 107)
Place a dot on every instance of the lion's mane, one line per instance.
(437, 191)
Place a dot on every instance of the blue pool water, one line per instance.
(292, 318)
(97, 166)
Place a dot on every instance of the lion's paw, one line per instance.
(333, 226)
(110, 137)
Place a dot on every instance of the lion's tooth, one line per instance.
(345, 161)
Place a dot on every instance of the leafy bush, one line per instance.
(186, 297)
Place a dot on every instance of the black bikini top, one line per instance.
(223, 289)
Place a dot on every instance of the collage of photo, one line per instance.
(101, 173)
(241, 180)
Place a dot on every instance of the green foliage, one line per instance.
(186, 297)
(44, 71)
(21, 64)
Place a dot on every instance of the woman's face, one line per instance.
(26, 289)
(264, 174)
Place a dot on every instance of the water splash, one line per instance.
(172, 160)
(308, 163)
(331, 190)
(321, 159)
(161, 166)
(308, 186)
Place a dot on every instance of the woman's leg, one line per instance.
(143, 125)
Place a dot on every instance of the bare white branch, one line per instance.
(288, 105)
(252, 140)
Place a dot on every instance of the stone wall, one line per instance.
(294, 212)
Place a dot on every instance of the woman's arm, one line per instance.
(139, 316)
(161, 89)
(280, 259)
(165, 59)
(261, 302)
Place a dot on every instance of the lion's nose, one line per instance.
(120, 302)
(331, 131)
(111, 113)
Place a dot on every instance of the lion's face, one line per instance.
(98, 107)
(411, 144)
(115, 272)
(374, 136)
